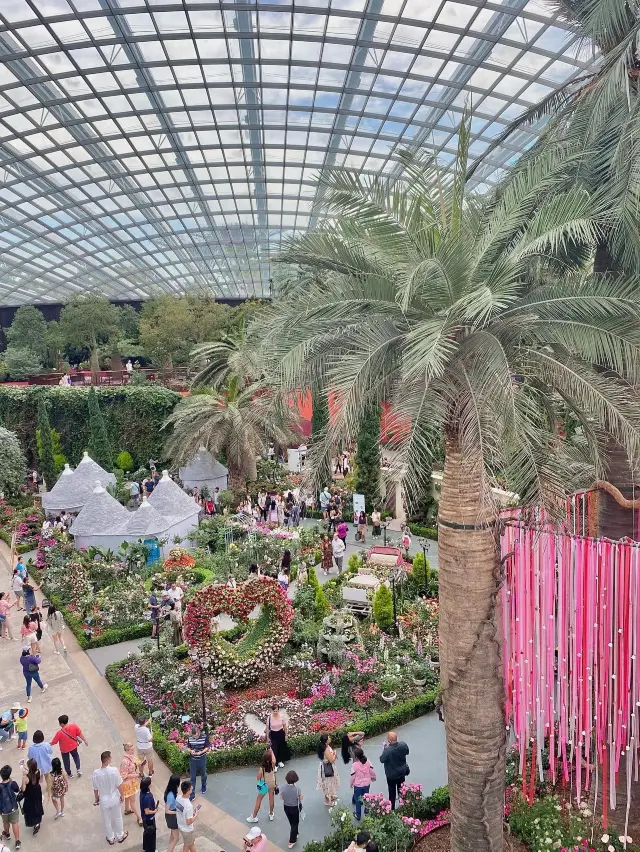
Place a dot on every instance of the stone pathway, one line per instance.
(77, 689)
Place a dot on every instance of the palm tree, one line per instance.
(452, 312)
(219, 360)
(597, 117)
(237, 420)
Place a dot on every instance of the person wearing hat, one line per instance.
(6, 726)
(255, 840)
(21, 724)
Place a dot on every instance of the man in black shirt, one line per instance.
(394, 758)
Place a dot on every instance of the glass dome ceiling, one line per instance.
(166, 146)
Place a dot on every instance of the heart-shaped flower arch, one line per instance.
(241, 663)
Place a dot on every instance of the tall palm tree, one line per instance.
(453, 313)
(230, 357)
(597, 118)
(238, 420)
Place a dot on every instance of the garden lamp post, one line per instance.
(203, 661)
(384, 524)
(424, 543)
(394, 579)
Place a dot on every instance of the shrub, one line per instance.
(383, 608)
(322, 604)
(423, 532)
(124, 461)
(12, 465)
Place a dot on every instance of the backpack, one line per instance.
(8, 801)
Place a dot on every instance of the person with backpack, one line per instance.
(9, 790)
(69, 738)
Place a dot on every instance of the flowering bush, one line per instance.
(240, 664)
(410, 794)
(178, 558)
(421, 828)
(376, 804)
(329, 720)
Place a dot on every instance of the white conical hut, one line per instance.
(204, 469)
(145, 522)
(98, 520)
(74, 487)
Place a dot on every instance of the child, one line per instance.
(36, 615)
(59, 787)
(406, 541)
(21, 725)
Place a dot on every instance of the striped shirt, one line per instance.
(198, 743)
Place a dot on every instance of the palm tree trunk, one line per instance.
(615, 521)
(237, 480)
(471, 655)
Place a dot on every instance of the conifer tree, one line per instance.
(99, 446)
(368, 458)
(46, 458)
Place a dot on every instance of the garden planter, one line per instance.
(419, 681)
(389, 697)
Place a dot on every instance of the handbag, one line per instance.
(327, 769)
(33, 667)
(262, 785)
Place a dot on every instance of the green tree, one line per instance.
(237, 421)
(46, 456)
(383, 608)
(90, 322)
(166, 330)
(368, 457)
(319, 412)
(124, 461)
(29, 330)
(595, 119)
(59, 457)
(319, 424)
(20, 362)
(322, 604)
(13, 467)
(229, 357)
(99, 446)
(452, 310)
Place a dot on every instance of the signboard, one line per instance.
(358, 503)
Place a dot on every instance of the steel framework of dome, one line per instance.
(166, 146)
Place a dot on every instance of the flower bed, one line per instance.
(24, 521)
(174, 694)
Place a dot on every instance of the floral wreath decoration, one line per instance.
(240, 663)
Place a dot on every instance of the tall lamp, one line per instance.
(424, 543)
(203, 662)
(384, 524)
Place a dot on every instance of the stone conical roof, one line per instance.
(202, 467)
(144, 521)
(171, 501)
(74, 487)
(100, 515)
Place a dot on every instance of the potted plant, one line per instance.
(434, 657)
(388, 688)
(420, 672)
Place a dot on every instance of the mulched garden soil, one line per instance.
(440, 841)
(617, 817)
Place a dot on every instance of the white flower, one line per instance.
(610, 848)
(586, 812)
(547, 840)
(605, 838)
(624, 839)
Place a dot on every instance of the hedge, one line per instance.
(423, 532)
(20, 548)
(133, 415)
(178, 761)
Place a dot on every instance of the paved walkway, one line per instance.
(236, 789)
(76, 688)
